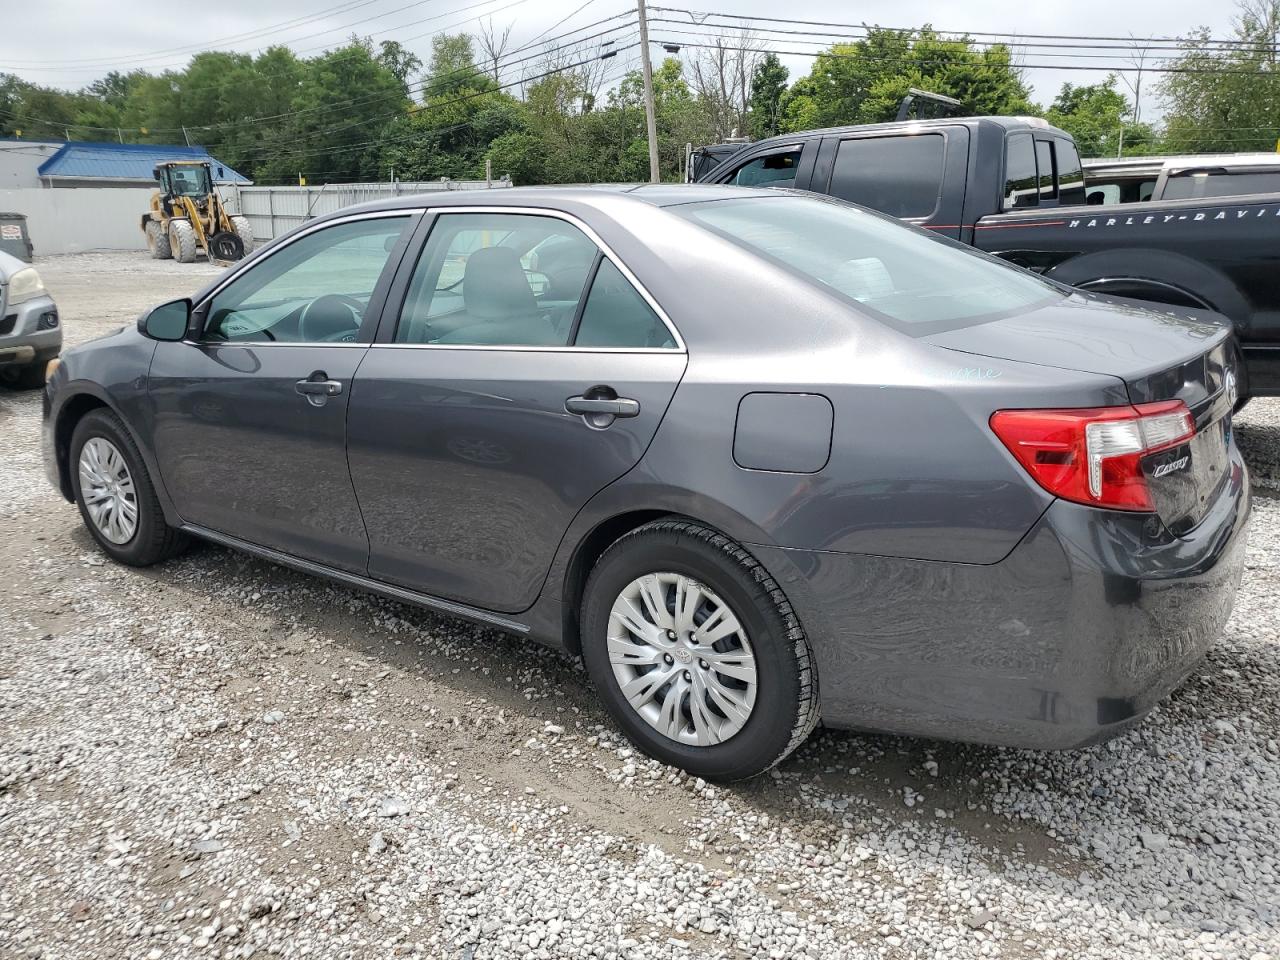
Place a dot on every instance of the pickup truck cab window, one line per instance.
(771, 170)
(900, 176)
(1021, 182)
(1070, 173)
(1044, 166)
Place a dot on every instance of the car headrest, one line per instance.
(494, 285)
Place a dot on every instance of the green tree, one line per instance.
(864, 82)
(1227, 98)
(1098, 117)
(768, 88)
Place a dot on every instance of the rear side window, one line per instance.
(1021, 183)
(1186, 187)
(900, 176)
(775, 170)
(1070, 173)
(615, 315)
(1044, 163)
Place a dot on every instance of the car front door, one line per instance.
(250, 415)
(519, 369)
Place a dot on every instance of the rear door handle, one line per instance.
(620, 407)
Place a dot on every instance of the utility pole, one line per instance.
(650, 120)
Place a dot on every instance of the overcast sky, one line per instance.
(67, 43)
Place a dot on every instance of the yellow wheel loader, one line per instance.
(188, 217)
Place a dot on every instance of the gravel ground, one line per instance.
(222, 758)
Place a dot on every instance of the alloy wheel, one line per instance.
(106, 487)
(682, 659)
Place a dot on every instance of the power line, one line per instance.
(865, 58)
(704, 15)
(329, 151)
(421, 87)
(208, 44)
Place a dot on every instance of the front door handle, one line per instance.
(318, 388)
(612, 407)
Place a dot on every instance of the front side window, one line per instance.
(775, 170)
(314, 290)
(1021, 184)
(497, 279)
(914, 282)
(900, 176)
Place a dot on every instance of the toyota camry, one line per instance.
(761, 459)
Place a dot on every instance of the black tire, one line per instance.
(157, 241)
(786, 706)
(244, 230)
(153, 540)
(182, 241)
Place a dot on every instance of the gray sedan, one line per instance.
(759, 458)
(30, 334)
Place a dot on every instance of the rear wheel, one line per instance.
(157, 241)
(115, 495)
(244, 230)
(697, 653)
(182, 240)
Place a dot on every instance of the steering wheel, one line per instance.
(332, 318)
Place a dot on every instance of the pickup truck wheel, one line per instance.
(697, 653)
(116, 497)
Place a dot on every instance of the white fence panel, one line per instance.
(275, 210)
(76, 219)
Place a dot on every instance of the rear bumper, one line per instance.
(1091, 620)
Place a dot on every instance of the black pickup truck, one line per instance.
(1014, 186)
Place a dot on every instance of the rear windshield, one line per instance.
(915, 282)
(1184, 187)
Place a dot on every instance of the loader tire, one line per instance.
(182, 240)
(244, 230)
(158, 241)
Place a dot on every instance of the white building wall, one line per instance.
(19, 160)
(79, 219)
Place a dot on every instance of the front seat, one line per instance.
(499, 304)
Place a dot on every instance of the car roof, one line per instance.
(557, 196)
(896, 126)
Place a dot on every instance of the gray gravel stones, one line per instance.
(432, 789)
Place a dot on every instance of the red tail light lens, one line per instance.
(1094, 455)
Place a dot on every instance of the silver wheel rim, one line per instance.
(106, 487)
(682, 659)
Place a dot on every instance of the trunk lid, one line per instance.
(1160, 354)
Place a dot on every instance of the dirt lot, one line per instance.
(219, 757)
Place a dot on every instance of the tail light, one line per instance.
(1094, 455)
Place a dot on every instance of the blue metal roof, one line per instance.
(126, 161)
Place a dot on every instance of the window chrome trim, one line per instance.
(409, 213)
(680, 347)
(272, 343)
(516, 348)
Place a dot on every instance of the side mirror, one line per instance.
(168, 321)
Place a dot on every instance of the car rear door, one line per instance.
(250, 417)
(519, 369)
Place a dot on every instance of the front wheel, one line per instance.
(116, 497)
(697, 652)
